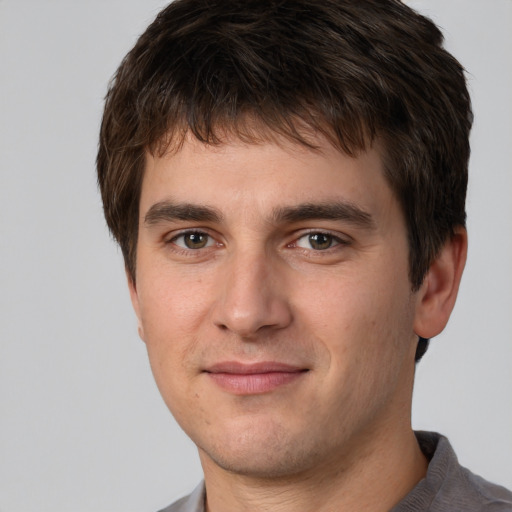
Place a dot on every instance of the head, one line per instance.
(354, 72)
(281, 89)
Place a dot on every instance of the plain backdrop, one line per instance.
(82, 427)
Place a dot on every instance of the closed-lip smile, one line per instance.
(253, 378)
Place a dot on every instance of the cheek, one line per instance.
(170, 312)
(170, 301)
(346, 305)
(362, 319)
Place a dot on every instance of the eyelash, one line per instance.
(188, 251)
(335, 241)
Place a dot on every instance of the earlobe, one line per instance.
(135, 303)
(437, 295)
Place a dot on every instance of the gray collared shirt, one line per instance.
(447, 487)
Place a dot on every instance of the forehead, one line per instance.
(278, 170)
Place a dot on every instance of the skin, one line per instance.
(233, 270)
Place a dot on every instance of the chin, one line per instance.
(259, 463)
(260, 451)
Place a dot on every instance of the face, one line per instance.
(273, 296)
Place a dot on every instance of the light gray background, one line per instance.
(82, 425)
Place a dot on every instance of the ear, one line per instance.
(437, 294)
(135, 303)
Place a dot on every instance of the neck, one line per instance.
(372, 477)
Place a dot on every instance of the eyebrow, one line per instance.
(169, 211)
(337, 210)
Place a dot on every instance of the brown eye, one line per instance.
(193, 240)
(320, 241)
(317, 241)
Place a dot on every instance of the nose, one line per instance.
(252, 296)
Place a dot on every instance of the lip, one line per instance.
(255, 378)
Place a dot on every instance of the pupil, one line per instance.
(195, 240)
(320, 241)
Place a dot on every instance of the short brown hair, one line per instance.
(351, 70)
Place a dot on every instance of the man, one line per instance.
(287, 181)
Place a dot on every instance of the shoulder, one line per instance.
(485, 495)
(491, 497)
(448, 486)
(194, 502)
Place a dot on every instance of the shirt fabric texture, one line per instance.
(447, 487)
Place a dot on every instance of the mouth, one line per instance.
(253, 379)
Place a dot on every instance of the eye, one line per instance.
(317, 241)
(193, 240)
